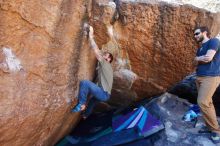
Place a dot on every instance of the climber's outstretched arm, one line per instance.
(93, 44)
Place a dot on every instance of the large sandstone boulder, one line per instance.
(44, 54)
(43, 57)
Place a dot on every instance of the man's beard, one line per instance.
(201, 38)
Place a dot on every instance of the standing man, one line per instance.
(208, 78)
(102, 90)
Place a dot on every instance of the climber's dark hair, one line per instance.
(109, 55)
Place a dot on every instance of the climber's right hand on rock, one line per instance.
(91, 32)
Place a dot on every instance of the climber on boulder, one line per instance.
(101, 90)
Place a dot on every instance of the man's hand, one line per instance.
(91, 32)
(94, 45)
(201, 59)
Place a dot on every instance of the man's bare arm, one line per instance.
(94, 45)
(205, 58)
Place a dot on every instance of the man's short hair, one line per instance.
(110, 56)
(203, 29)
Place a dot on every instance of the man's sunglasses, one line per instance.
(197, 33)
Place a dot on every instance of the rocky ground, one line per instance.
(170, 109)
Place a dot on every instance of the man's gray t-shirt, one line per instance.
(105, 75)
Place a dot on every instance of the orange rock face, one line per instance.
(160, 43)
(44, 54)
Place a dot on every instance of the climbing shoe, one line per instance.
(78, 108)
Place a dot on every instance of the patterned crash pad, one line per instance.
(139, 118)
(126, 127)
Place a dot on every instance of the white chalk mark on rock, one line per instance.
(11, 63)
